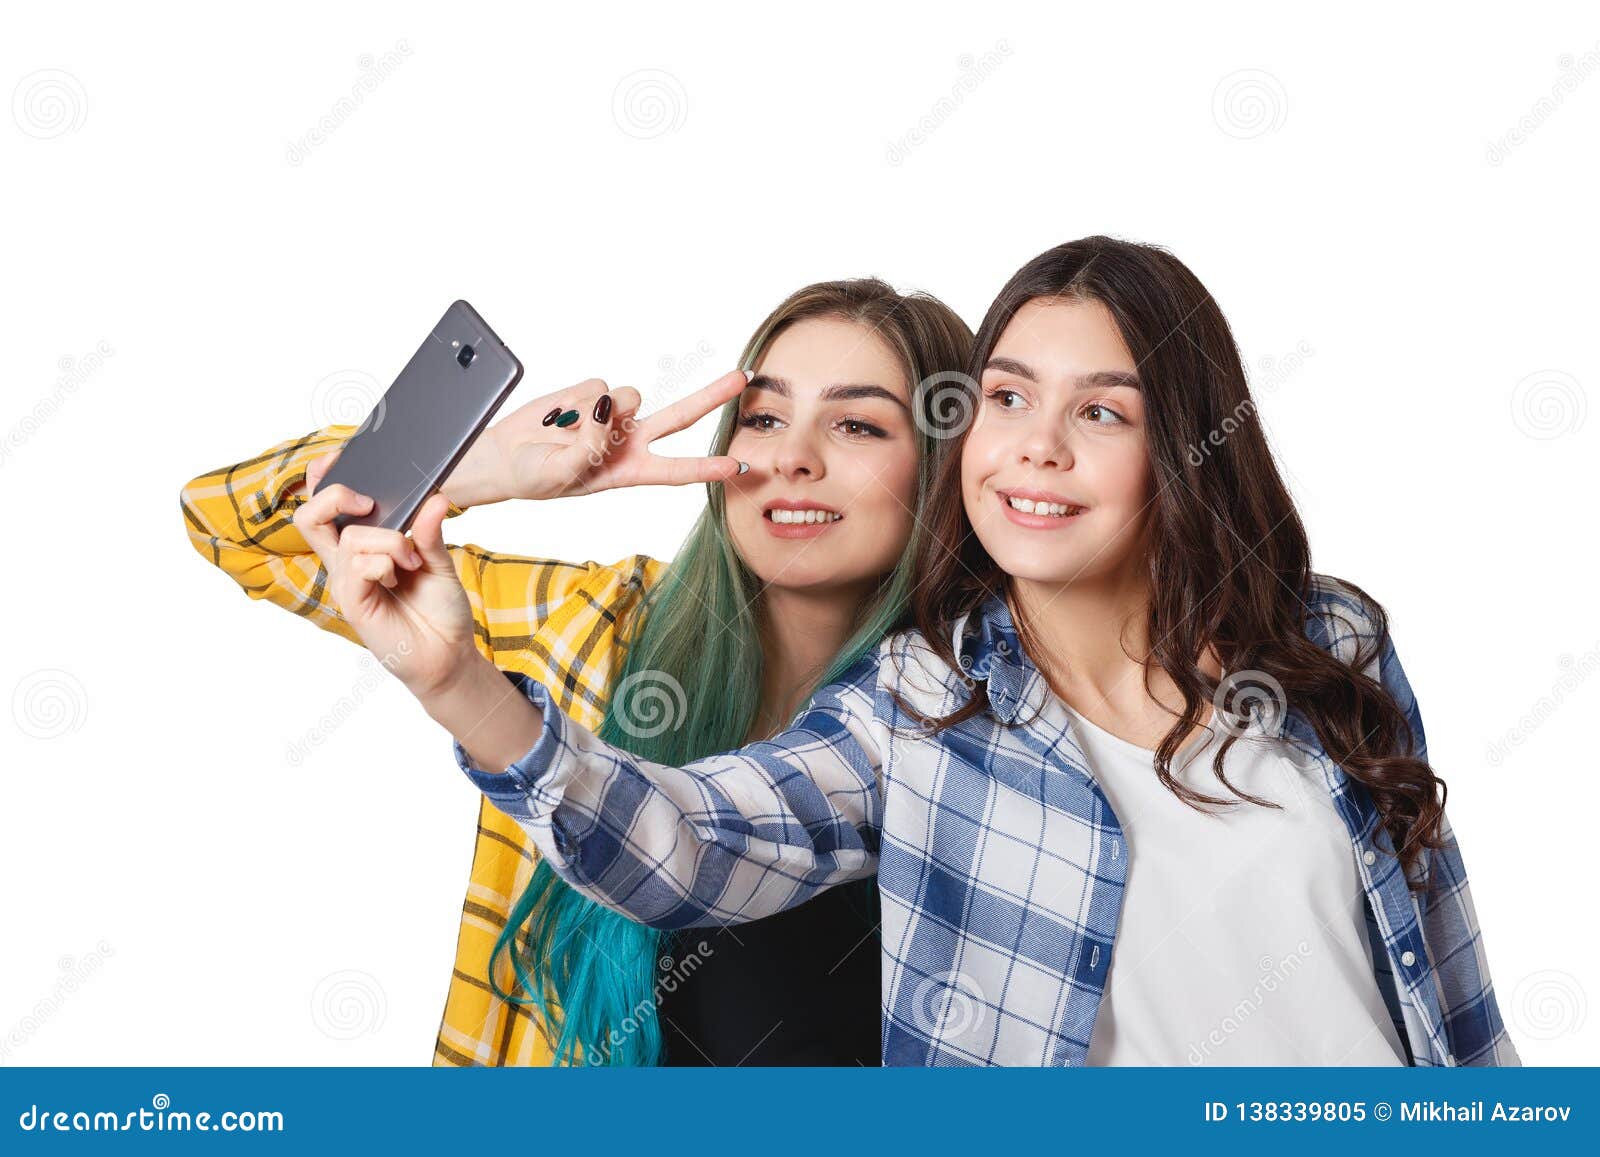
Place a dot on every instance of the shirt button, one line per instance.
(1369, 858)
(1408, 958)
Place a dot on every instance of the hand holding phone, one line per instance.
(426, 421)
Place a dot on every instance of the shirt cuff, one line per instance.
(522, 791)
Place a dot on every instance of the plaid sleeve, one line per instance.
(240, 518)
(1472, 1022)
(726, 839)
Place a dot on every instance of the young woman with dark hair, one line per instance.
(1140, 788)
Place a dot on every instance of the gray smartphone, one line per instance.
(427, 419)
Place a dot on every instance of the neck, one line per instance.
(801, 632)
(1091, 632)
(1094, 648)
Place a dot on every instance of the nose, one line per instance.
(1044, 445)
(796, 456)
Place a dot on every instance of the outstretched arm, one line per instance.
(726, 839)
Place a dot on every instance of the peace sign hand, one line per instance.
(607, 448)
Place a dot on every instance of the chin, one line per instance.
(1018, 562)
(796, 578)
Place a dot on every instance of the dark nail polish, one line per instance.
(602, 408)
(551, 416)
(567, 419)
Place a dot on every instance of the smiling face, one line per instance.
(826, 427)
(1055, 473)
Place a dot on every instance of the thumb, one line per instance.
(427, 534)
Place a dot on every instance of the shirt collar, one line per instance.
(989, 648)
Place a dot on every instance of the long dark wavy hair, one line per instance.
(1226, 549)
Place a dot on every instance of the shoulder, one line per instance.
(1344, 620)
(901, 667)
(913, 673)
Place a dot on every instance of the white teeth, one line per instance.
(1029, 506)
(789, 517)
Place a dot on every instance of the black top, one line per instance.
(798, 988)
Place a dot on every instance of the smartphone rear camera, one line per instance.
(465, 355)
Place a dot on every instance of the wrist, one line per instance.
(473, 482)
(460, 685)
(486, 714)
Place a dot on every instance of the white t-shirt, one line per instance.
(1242, 938)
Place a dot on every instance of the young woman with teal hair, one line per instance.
(1129, 708)
(777, 590)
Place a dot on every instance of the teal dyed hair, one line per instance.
(590, 971)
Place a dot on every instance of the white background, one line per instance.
(625, 191)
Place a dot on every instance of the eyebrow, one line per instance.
(1097, 380)
(839, 392)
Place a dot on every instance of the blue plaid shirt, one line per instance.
(1000, 863)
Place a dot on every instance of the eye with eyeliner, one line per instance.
(751, 419)
(1120, 419)
(754, 419)
(996, 394)
(868, 429)
(999, 393)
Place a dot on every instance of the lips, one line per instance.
(788, 518)
(1039, 509)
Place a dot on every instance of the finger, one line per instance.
(661, 471)
(317, 469)
(582, 398)
(625, 402)
(427, 535)
(686, 412)
(373, 568)
(314, 517)
(379, 540)
(606, 439)
(599, 438)
(567, 469)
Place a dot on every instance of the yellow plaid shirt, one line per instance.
(556, 622)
